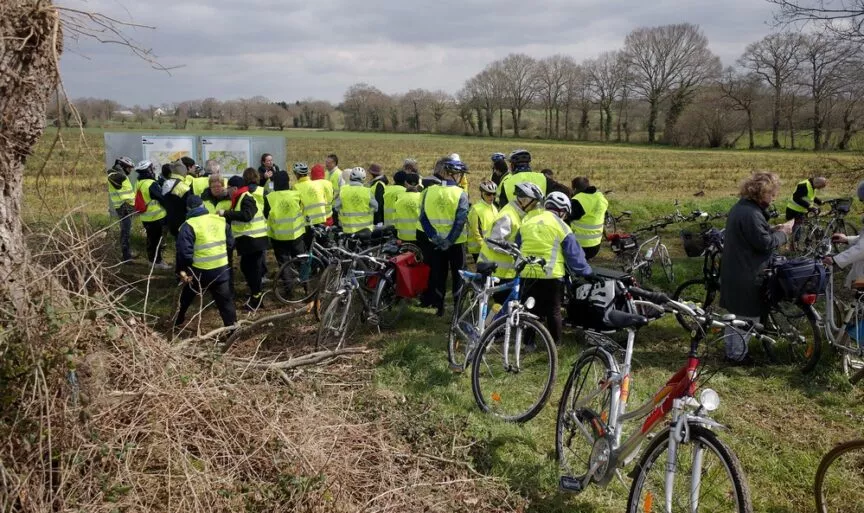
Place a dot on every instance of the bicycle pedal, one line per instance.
(570, 485)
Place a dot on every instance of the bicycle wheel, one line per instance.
(839, 477)
(509, 383)
(798, 339)
(708, 476)
(463, 333)
(609, 223)
(338, 319)
(698, 292)
(388, 306)
(410, 247)
(666, 263)
(297, 280)
(583, 402)
(850, 354)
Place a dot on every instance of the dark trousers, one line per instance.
(154, 230)
(591, 252)
(285, 250)
(252, 265)
(125, 234)
(440, 262)
(220, 291)
(547, 303)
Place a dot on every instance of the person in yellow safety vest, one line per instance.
(121, 197)
(480, 218)
(520, 171)
(545, 235)
(391, 196)
(201, 183)
(249, 226)
(203, 244)
(804, 197)
(334, 174)
(378, 183)
(316, 195)
(356, 205)
(286, 222)
(443, 216)
(192, 171)
(153, 218)
(588, 214)
(504, 228)
(175, 190)
(407, 216)
(216, 196)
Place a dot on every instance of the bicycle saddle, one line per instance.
(858, 284)
(619, 320)
(627, 212)
(486, 268)
(625, 278)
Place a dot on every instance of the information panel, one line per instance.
(233, 153)
(164, 149)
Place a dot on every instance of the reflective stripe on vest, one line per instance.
(155, 211)
(219, 205)
(480, 220)
(391, 196)
(255, 228)
(811, 195)
(440, 205)
(407, 213)
(508, 185)
(334, 177)
(506, 267)
(117, 197)
(588, 230)
(542, 235)
(356, 215)
(211, 246)
(285, 220)
(315, 198)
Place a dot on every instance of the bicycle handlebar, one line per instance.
(375, 261)
(654, 297)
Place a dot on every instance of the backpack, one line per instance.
(140, 204)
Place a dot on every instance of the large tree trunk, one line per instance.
(817, 125)
(500, 122)
(479, 120)
(490, 117)
(607, 128)
(775, 120)
(652, 120)
(750, 128)
(515, 116)
(29, 31)
(848, 123)
(676, 108)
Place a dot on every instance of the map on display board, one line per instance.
(166, 149)
(234, 154)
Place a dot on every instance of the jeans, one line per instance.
(125, 234)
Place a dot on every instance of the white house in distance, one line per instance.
(159, 112)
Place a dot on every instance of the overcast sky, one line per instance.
(290, 49)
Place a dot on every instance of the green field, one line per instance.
(780, 421)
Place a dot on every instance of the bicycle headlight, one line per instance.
(529, 303)
(709, 399)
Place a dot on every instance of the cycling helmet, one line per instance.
(520, 157)
(528, 190)
(144, 165)
(488, 187)
(125, 162)
(498, 156)
(357, 174)
(454, 156)
(455, 166)
(558, 201)
(301, 168)
(861, 191)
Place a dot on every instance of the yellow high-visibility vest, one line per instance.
(124, 195)
(255, 228)
(542, 236)
(224, 204)
(480, 219)
(200, 184)
(391, 196)
(440, 205)
(506, 266)
(333, 177)
(211, 244)
(356, 214)
(588, 230)
(811, 195)
(316, 197)
(286, 220)
(155, 210)
(407, 213)
(509, 183)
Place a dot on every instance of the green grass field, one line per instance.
(781, 422)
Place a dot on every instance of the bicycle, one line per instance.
(611, 221)
(589, 428)
(838, 478)
(471, 314)
(514, 365)
(839, 320)
(632, 257)
(702, 291)
(814, 231)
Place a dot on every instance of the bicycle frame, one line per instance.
(639, 259)
(851, 313)
(480, 305)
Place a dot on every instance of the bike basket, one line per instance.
(412, 277)
(623, 242)
(798, 276)
(843, 206)
(694, 244)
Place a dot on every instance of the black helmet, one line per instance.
(520, 157)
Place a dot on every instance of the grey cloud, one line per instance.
(291, 49)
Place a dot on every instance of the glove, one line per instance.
(445, 245)
(436, 241)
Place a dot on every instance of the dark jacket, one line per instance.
(800, 196)
(262, 180)
(749, 244)
(175, 206)
(186, 250)
(248, 208)
(577, 210)
(378, 190)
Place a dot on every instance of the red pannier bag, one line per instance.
(412, 277)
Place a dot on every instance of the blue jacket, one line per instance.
(186, 250)
(458, 223)
(574, 256)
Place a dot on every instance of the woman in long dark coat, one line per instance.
(749, 243)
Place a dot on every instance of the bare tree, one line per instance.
(416, 103)
(551, 82)
(440, 102)
(669, 62)
(851, 105)
(486, 92)
(519, 84)
(842, 18)
(465, 102)
(608, 73)
(742, 91)
(826, 62)
(776, 60)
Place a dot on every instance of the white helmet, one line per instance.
(558, 201)
(488, 187)
(357, 174)
(144, 165)
(301, 168)
(455, 156)
(125, 162)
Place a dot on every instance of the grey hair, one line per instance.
(213, 167)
